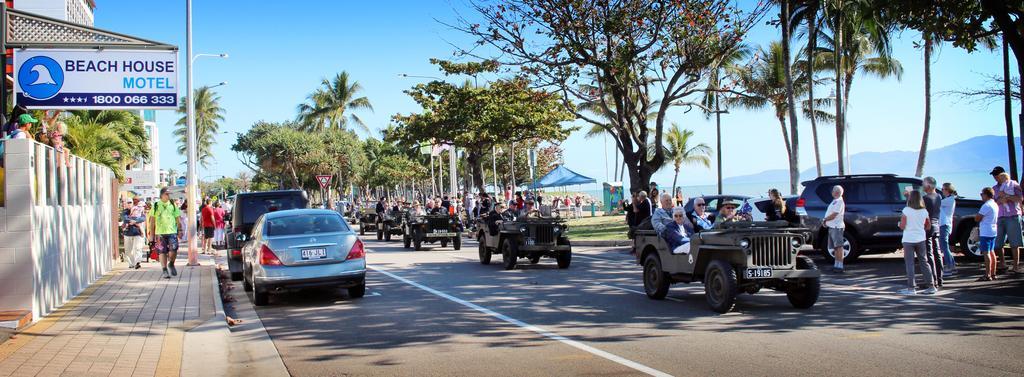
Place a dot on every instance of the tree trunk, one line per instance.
(1011, 145)
(840, 117)
(812, 45)
(794, 156)
(675, 179)
(927, 105)
(1013, 38)
(718, 140)
(474, 161)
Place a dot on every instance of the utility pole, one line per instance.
(494, 169)
(512, 164)
(190, 135)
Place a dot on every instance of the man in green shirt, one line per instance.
(165, 227)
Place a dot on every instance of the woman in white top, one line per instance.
(946, 210)
(915, 225)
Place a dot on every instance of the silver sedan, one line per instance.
(302, 248)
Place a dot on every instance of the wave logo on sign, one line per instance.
(40, 77)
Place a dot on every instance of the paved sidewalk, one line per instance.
(130, 323)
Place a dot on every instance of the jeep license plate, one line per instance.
(759, 273)
(314, 253)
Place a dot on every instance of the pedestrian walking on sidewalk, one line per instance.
(933, 203)
(209, 224)
(987, 232)
(916, 226)
(218, 218)
(836, 224)
(165, 229)
(134, 219)
(946, 211)
(1008, 197)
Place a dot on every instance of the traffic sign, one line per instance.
(324, 180)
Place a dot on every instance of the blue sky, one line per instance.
(278, 54)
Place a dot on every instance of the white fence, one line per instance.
(57, 232)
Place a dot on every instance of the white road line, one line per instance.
(609, 356)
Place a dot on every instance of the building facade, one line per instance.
(144, 179)
(76, 11)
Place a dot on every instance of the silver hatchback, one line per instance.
(302, 248)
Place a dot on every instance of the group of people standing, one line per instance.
(927, 220)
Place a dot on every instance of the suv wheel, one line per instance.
(720, 286)
(509, 253)
(806, 294)
(851, 250)
(969, 244)
(655, 279)
(485, 253)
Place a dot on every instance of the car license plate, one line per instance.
(759, 273)
(314, 253)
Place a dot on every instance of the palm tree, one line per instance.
(862, 37)
(208, 115)
(764, 85)
(785, 8)
(727, 65)
(172, 175)
(928, 42)
(326, 107)
(807, 10)
(678, 150)
(113, 138)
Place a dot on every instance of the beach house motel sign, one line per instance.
(96, 79)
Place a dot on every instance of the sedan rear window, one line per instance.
(305, 224)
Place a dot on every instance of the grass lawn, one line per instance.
(598, 228)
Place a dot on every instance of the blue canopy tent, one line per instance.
(560, 177)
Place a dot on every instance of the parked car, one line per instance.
(302, 248)
(713, 202)
(247, 209)
(874, 203)
(739, 257)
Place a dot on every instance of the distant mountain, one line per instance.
(974, 154)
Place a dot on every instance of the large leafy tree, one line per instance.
(331, 105)
(682, 150)
(474, 118)
(112, 138)
(635, 52)
(208, 115)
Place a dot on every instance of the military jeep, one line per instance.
(390, 224)
(367, 220)
(432, 228)
(739, 257)
(532, 237)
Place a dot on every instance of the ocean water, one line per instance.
(968, 184)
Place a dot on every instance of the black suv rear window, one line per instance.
(858, 192)
(255, 206)
(305, 224)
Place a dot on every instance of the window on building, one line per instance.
(149, 115)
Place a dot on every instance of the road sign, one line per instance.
(324, 180)
(95, 79)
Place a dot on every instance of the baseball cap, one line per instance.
(997, 170)
(27, 118)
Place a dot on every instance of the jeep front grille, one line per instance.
(771, 252)
(438, 223)
(545, 234)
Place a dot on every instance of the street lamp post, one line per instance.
(190, 134)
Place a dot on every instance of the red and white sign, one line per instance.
(324, 180)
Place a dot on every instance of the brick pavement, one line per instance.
(130, 323)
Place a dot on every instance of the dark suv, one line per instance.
(247, 209)
(873, 209)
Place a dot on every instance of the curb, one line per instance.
(205, 341)
(604, 243)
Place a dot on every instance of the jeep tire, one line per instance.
(564, 258)
(720, 286)
(509, 253)
(805, 294)
(457, 242)
(655, 279)
(485, 253)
